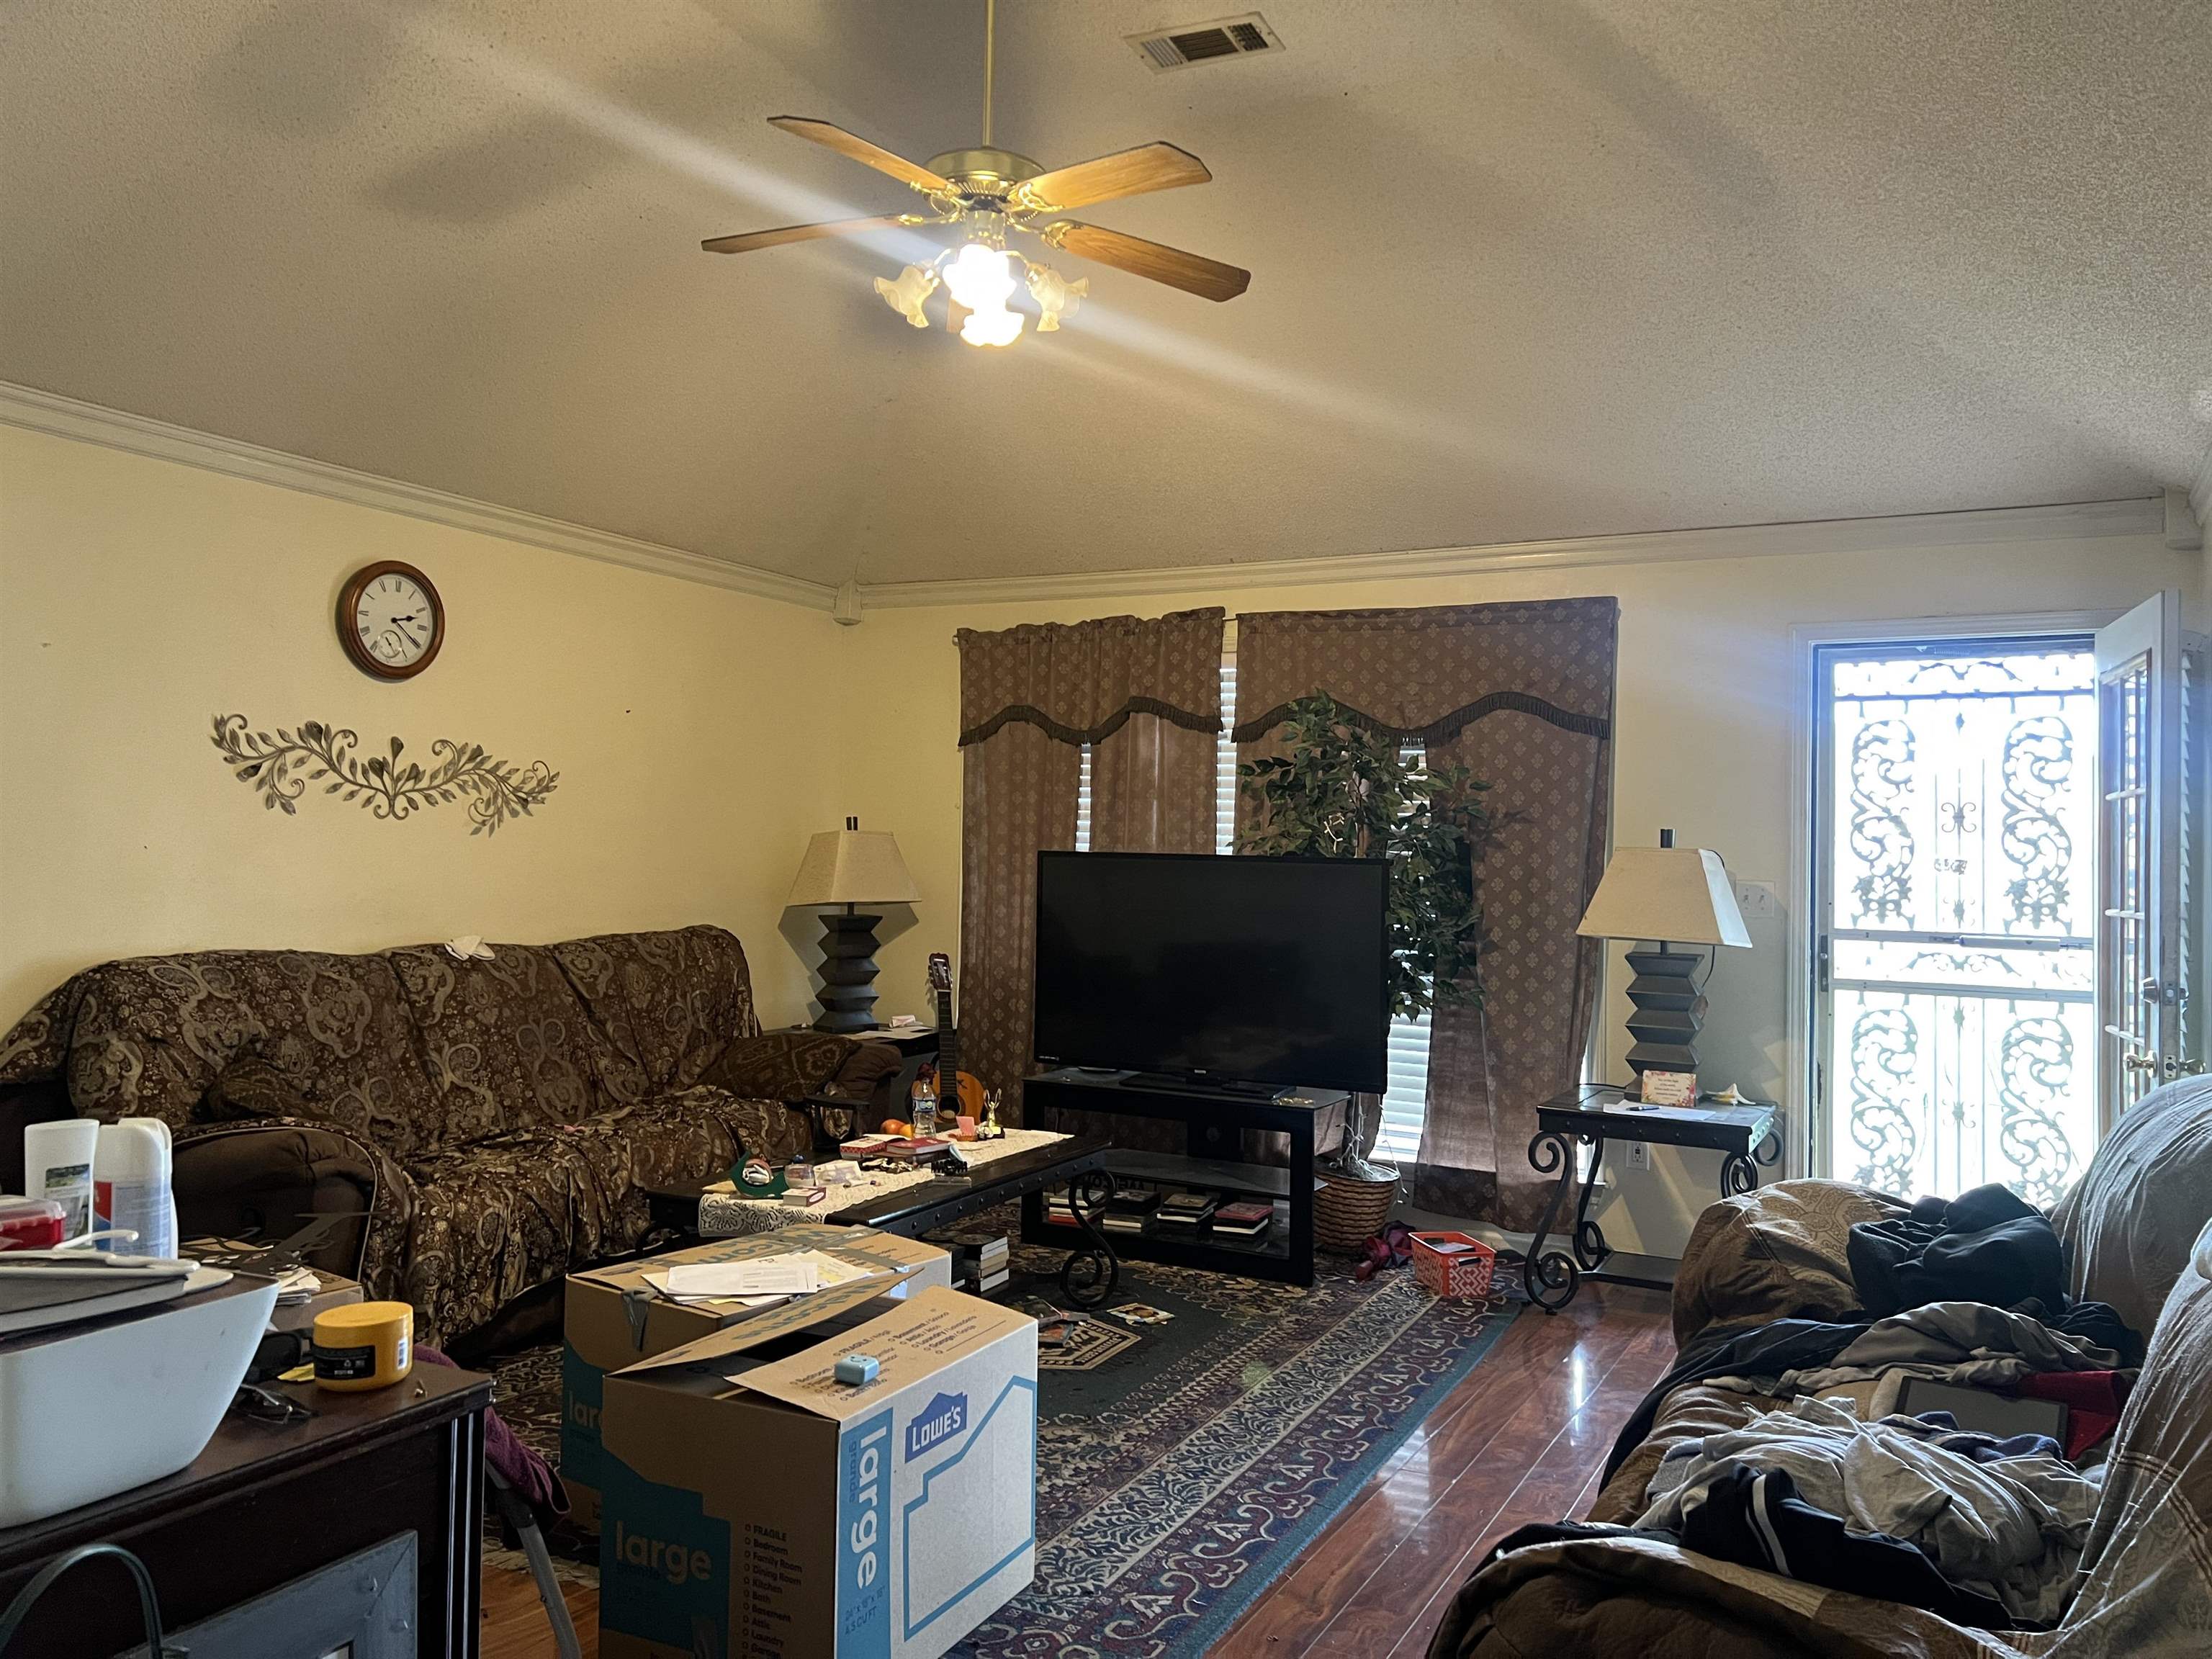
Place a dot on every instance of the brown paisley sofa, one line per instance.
(496, 1120)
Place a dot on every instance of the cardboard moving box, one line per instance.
(753, 1505)
(611, 1318)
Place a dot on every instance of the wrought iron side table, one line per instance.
(1595, 1114)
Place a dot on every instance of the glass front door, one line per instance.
(2151, 804)
(1955, 914)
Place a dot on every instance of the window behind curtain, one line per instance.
(1406, 1100)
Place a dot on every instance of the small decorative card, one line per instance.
(1670, 1088)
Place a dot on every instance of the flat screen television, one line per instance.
(1216, 969)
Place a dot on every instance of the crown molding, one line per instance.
(2134, 516)
(139, 435)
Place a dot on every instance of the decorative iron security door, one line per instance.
(1956, 904)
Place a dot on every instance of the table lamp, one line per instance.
(850, 866)
(1673, 896)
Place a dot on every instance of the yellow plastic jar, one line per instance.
(364, 1345)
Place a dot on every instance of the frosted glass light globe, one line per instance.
(978, 277)
(915, 284)
(995, 326)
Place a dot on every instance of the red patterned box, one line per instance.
(1462, 1269)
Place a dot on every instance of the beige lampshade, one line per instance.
(1678, 894)
(853, 865)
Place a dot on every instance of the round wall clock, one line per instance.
(390, 620)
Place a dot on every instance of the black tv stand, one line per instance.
(1172, 1083)
(1215, 1119)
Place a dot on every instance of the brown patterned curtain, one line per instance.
(1523, 695)
(1146, 696)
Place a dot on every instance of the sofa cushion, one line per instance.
(1773, 1252)
(2147, 1572)
(150, 1035)
(2129, 1223)
(496, 1219)
(506, 1041)
(790, 1065)
(662, 1007)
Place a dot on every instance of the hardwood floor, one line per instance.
(1522, 1439)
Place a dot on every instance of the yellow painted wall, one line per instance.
(140, 597)
(1704, 740)
(701, 735)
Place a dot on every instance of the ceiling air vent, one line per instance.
(1200, 43)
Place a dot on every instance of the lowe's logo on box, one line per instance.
(938, 1422)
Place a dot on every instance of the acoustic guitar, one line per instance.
(958, 1093)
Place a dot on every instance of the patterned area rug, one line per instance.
(1184, 1462)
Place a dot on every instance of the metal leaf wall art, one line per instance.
(283, 767)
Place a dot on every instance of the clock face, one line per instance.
(390, 620)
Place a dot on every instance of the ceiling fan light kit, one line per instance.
(990, 192)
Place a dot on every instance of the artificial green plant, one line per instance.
(1340, 789)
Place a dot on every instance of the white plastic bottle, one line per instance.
(57, 1163)
(131, 1177)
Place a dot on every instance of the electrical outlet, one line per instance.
(1639, 1154)
(1758, 901)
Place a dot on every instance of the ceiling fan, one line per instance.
(990, 192)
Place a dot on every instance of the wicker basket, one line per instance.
(1348, 1212)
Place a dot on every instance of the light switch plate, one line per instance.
(1758, 901)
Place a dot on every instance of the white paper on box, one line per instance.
(771, 1275)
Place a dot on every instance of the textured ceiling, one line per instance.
(1552, 268)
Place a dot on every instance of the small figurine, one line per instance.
(989, 1128)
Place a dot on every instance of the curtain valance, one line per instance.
(1435, 675)
(1080, 682)
(1425, 675)
(1145, 694)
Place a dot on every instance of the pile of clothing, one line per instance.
(1836, 1488)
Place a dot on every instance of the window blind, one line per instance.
(1083, 802)
(1225, 769)
(1404, 1102)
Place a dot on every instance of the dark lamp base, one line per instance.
(1670, 1011)
(848, 973)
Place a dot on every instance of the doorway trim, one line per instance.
(1806, 1151)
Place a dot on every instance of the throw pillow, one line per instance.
(780, 1066)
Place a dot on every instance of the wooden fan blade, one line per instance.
(859, 150)
(1209, 279)
(753, 238)
(1125, 172)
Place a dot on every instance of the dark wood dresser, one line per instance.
(265, 1506)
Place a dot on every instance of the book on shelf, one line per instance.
(975, 1260)
(991, 1281)
(1244, 1219)
(1131, 1195)
(1186, 1210)
(1116, 1222)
